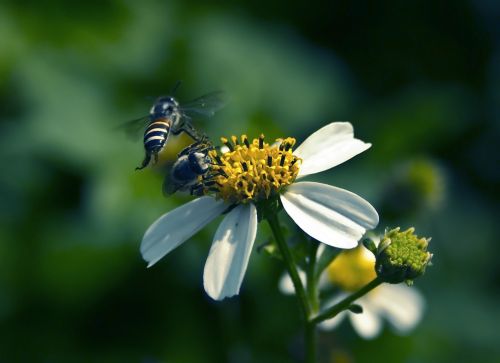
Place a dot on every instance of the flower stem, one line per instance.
(312, 280)
(272, 219)
(310, 328)
(313, 296)
(344, 304)
(310, 341)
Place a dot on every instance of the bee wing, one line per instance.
(169, 187)
(134, 128)
(205, 105)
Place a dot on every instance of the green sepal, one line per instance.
(370, 245)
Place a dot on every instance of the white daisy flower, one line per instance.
(251, 172)
(400, 305)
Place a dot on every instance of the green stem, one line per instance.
(272, 219)
(312, 279)
(344, 304)
(313, 295)
(310, 341)
(310, 328)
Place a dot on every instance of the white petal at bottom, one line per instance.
(403, 306)
(368, 323)
(228, 257)
(178, 225)
(285, 284)
(332, 323)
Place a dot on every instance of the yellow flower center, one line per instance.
(252, 171)
(352, 269)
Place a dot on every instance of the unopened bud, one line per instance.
(401, 256)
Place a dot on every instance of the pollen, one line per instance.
(251, 171)
(352, 269)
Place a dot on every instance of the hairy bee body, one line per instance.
(191, 165)
(167, 117)
(156, 135)
(164, 118)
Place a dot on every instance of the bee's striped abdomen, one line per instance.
(156, 135)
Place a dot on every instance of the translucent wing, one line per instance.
(170, 187)
(134, 128)
(205, 105)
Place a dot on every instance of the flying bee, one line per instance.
(167, 116)
(189, 170)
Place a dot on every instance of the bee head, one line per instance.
(164, 106)
(199, 162)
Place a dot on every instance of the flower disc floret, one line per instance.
(252, 171)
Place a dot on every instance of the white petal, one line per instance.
(285, 284)
(329, 146)
(332, 323)
(368, 323)
(331, 215)
(401, 305)
(228, 257)
(178, 225)
(335, 321)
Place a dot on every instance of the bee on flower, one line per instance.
(400, 305)
(252, 173)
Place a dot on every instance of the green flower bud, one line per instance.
(401, 256)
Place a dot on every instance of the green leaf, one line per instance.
(355, 308)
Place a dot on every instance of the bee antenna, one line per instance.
(177, 85)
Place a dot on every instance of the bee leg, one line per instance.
(145, 162)
(187, 149)
(197, 190)
(206, 149)
(193, 133)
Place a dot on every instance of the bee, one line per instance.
(189, 170)
(167, 116)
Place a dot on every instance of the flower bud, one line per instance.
(401, 256)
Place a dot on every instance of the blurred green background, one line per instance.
(418, 79)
